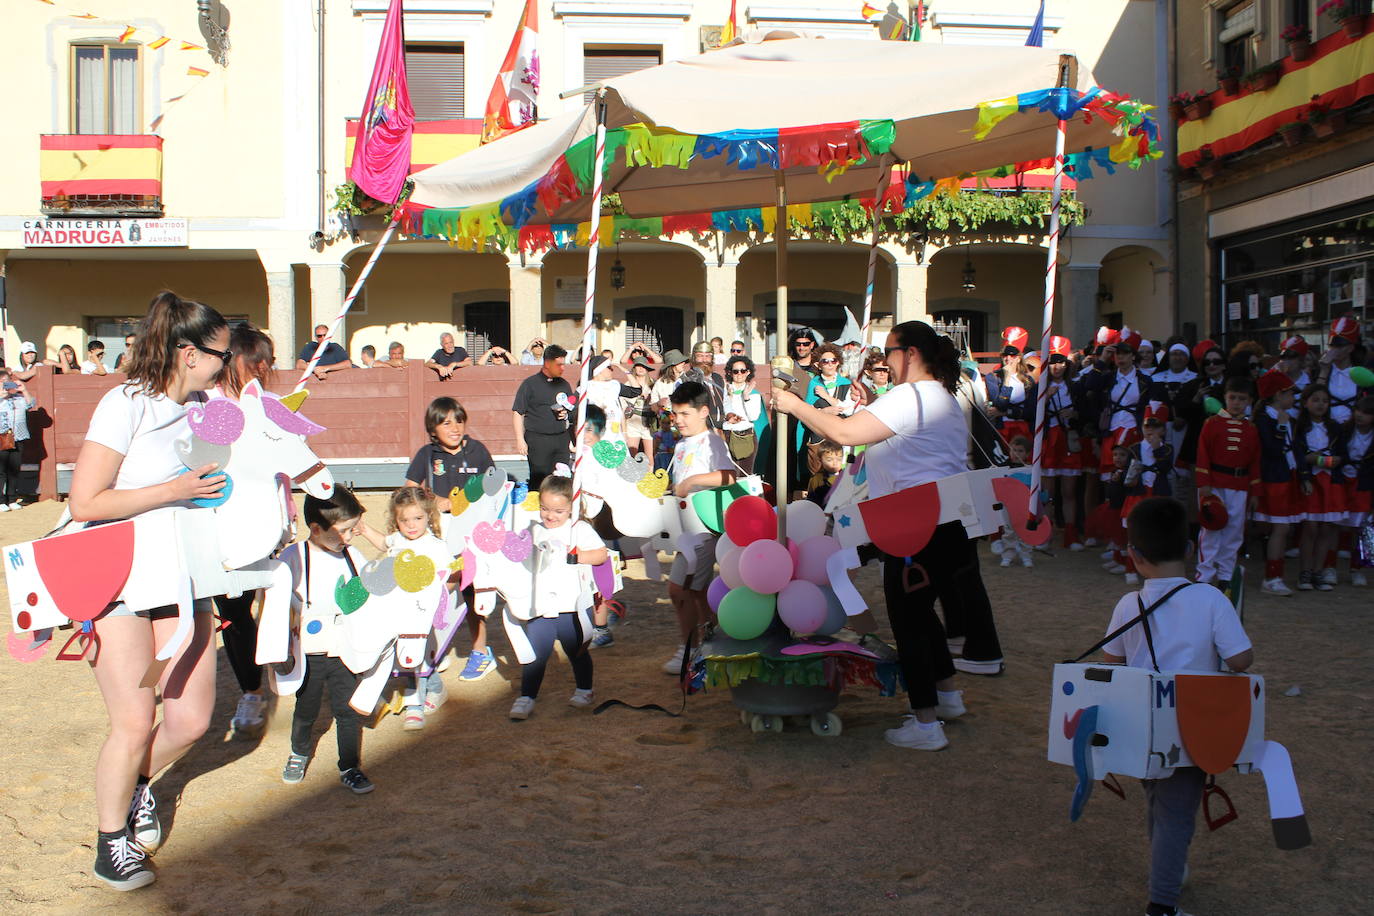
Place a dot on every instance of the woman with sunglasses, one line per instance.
(128, 466)
(828, 392)
(743, 407)
(916, 434)
(877, 375)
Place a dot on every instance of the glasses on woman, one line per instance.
(880, 369)
(828, 361)
(224, 355)
(739, 371)
(1213, 362)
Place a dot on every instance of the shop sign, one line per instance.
(104, 233)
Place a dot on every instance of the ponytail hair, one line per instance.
(937, 351)
(171, 323)
(253, 357)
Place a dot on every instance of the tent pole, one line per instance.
(348, 300)
(884, 179)
(782, 443)
(1051, 279)
(593, 250)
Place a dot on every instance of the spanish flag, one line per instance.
(187, 46)
(196, 71)
(731, 31)
(870, 12)
(158, 42)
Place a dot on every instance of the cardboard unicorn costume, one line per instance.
(173, 555)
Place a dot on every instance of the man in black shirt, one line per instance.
(541, 425)
(333, 359)
(448, 357)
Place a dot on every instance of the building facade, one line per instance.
(221, 149)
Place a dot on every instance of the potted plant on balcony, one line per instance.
(1177, 104)
(1208, 166)
(1228, 79)
(1198, 106)
(1349, 13)
(1265, 77)
(1291, 133)
(1299, 38)
(1323, 121)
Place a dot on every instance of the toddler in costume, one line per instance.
(1228, 467)
(1012, 545)
(1280, 501)
(414, 525)
(564, 554)
(1189, 626)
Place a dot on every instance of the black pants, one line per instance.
(241, 638)
(545, 451)
(911, 589)
(964, 599)
(9, 475)
(542, 631)
(323, 671)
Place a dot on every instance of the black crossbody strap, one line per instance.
(1141, 618)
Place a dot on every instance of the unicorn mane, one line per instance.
(287, 419)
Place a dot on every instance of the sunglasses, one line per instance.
(1214, 362)
(224, 355)
(805, 343)
(828, 361)
(880, 369)
(734, 352)
(739, 371)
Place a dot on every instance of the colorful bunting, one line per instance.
(197, 71)
(128, 33)
(157, 43)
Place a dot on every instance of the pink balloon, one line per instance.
(794, 549)
(802, 606)
(748, 519)
(765, 566)
(716, 591)
(812, 556)
(729, 569)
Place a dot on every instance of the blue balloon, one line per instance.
(835, 617)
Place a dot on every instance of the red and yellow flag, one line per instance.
(197, 71)
(128, 33)
(514, 95)
(731, 31)
(158, 42)
(187, 46)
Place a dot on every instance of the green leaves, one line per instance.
(967, 211)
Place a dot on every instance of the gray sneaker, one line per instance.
(872, 643)
(143, 820)
(294, 771)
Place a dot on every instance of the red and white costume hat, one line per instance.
(1346, 328)
(1060, 346)
(1272, 382)
(1016, 337)
(1106, 336)
(1159, 414)
(1294, 344)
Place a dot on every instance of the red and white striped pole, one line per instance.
(1051, 280)
(593, 249)
(348, 300)
(884, 179)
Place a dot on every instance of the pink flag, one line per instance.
(381, 155)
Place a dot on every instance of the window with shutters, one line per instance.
(1235, 48)
(434, 75)
(106, 89)
(487, 325)
(604, 63)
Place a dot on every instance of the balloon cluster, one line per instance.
(759, 577)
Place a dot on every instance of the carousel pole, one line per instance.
(348, 300)
(593, 249)
(1051, 280)
(884, 179)
(782, 443)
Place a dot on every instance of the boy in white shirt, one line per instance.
(701, 461)
(317, 565)
(94, 364)
(1191, 626)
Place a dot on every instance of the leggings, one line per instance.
(241, 638)
(911, 589)
(9, 475)
(567, 629)
(323, 671)
(964, 600)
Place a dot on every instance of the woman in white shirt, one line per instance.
(126, 467)
(743, 406)
(916, 434)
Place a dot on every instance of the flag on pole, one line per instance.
(1036, 39)
(869, 11)
(918, 16)
(511, 104)
(731, 31)
(381, 154)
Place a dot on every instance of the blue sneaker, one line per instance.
(601, 637)
(479, 665)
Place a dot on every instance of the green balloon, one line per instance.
(1211, 405)
(1362, 377)
(745, 614)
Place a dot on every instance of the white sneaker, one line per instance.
(16, 506)
(1090, 542)
(990, 668)
(1109, 555)
(522, 707)
(1006, 560)
(950, 705)
(4, 508)
(1132, 578)
(674, 664)
(919, 737)
(1115, 569)
(1358, 578)
(581, 698)
(1276, 587)
(996, 546)
(248, 715)
(1027, 562)
(1328, 576)
(955, 645)
(1292, 553)
(1076, 546)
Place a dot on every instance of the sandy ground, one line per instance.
(633, 812)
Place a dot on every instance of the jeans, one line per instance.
(1171, 818)
(323, 671)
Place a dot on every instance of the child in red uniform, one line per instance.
(1279, 502)
(1228, 466)
(1063, 446)
(1152, 461)
(1359, 475)
(1124, 399)
(1321, 443)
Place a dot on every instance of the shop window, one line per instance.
(654, 327)
(106, 89)
(605, 63)
(487, 325)
(434, 76)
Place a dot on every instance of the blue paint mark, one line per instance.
(314, 627)
(845, 521)
(1068, 688)
(16, 559)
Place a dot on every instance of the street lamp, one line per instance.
(617, 271)
(970, 275)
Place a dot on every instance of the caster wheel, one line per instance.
(827, 725)
(759, 724)
(744, 718)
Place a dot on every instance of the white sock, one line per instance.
(927, 725)
(948, 695)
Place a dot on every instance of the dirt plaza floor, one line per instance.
(637, 812)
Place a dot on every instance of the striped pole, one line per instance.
(884, 179)
(1051, 278)
(348, 300)
(593, 247)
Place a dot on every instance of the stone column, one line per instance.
(910, 288)
(327, 291)
(281, 307)
(526, 300)
(720, 299)
(1080, 283)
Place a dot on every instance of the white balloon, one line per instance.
(723, 546)
(805, 520)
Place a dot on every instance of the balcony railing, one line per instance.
(101, 174)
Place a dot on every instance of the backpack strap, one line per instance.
(1145, 612)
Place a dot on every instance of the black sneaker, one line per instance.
(121, 862)
(356, 781)
(143, 819)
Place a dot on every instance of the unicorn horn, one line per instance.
(295, 399)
